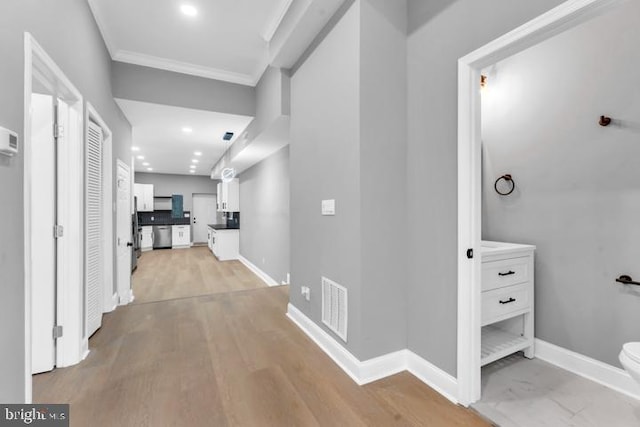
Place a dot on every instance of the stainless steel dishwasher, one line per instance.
(161, 236)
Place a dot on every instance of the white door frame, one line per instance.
(555, 21)
(110, 294)
(37, 63)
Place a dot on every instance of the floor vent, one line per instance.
(334, 307)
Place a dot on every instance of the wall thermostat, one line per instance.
(8, 142)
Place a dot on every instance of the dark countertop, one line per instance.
(222, 227)
(162, 224)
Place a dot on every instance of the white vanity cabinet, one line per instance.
(180, 236)
(507, 300)
(146, 243)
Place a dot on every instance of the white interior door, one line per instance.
(123, 240)
(43, 245)
(94, 233)
(204, 212)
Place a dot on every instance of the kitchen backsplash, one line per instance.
(163, 218)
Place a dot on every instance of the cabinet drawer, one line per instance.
(499, 303)
(506, 272)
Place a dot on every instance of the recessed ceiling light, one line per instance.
(192, 171)
(145, 164)
(194, 160)
(135, 148)
(140, 157)
(187, 130)
(198, 153)
(149, 169)
(188, 10)
(192, 166)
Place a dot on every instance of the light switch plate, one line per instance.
(329, 207)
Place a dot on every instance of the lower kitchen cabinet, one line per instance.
(225, 244)
(146, 243)
(180, 236)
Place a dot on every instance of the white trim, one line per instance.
(561, 18)
(609, 376)
(364, 372)
(70, 208)
(261, 274)
(184, 67)
(273, 25)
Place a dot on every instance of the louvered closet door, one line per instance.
(94, 274)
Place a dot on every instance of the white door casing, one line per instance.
(43, 245)
(204, 212)
(123, 233)
(565, 16)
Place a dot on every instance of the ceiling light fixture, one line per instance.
(140, 157)
(149, 169)
(135, 148)
(198, 153)
(145, 164)
(188, 10)
(192, 171)
(187, 130)
(194, 160)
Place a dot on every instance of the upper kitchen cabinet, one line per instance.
(144, 195)
(229, 196)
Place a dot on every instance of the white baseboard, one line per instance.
(261, 274)
(378, 367)
(127, 298)
(112, 304)
(594, 370)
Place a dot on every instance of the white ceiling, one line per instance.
(157, 131)
(228, 39)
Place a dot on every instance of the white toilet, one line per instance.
(630, 359)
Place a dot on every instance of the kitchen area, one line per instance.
(172, 212)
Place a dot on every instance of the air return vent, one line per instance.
(334, 307)
(227, 136)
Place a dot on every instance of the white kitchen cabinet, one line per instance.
(147, 238)
(225, 244)
(180, 236)
(507, 300)
(144, 195)
(228, 196)
(219, 197)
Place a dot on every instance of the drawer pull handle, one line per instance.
(510, 300)
(508, 273)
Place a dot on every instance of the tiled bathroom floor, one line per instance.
(530, 393)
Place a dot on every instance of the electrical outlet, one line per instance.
(306, 292)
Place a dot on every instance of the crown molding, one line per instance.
(274, 24)
(183, 67)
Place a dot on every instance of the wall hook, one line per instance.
(605, 121)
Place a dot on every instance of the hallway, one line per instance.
(228, 359)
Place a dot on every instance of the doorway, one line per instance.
(204, 212)
(53, 197)
(563, 17)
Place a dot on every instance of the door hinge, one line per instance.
(58, 131)
(57, 332)
(58, 231)
(470, 253)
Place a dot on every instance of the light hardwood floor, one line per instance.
(178, 273)
(228, 359)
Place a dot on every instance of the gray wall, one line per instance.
(348, 143)
(324, 150)
(187, 185)
(264, 215)
(578, 184)
(67, 31)
(146, 84)
(439, 35)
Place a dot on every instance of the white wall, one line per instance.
(578, 184)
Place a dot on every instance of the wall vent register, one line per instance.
(8, 142)
(334, 307)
